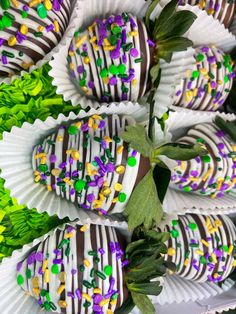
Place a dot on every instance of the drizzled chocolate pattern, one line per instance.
(214, 174)
(207, 85)
(88, 163)
(76, 270)
(202, 247)
(111, 59)
(29, 30)
(221, 10)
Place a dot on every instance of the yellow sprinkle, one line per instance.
(120, 169)
(103, 302)
(234, 263)
(37, 156)
(107, 139)
(134, 82)
(69, 151)
(61, 289)
(105, 80)
(48, 4)
(45, 265)
(207, 77)
(212, 230)
(115, 200)
(97, 117)
(86, 263)
(208, 221)
(200, 252)
(102, 197)
(46, 276)
(94, 172)
(72, 66)
(106, 191)
(78, 124)
(84, 228)
(36, 173)
(15, 3)
(40, 28)
(69, 235)
(218, 223)
(34, 3)
(86, 60)
(91, 27)
(56, 26)
(43, 161)
(186, 262)
(183, 165)
(26, 65)
(35, 282)
(86, 297)
(75, 155)
(210, 11)
(106, 42)
(120, 149)
(215, 275)
(55, 172)
(193, 179)
(214, 258)
(188, 73)
(231, 247)
(71, 53)
(95, 126)
(62, 304)
(206, 175)
(188, 95)
(109, 48)
(80, 41)
(93, 39)
(37, 179)
(113, 302)
(59, 138)
(67, 180)
(195, 91)
(109, 311)
(24, 29)
(219, 82)
(12, 41)
(118, 187)
(203, 71)
(205, 243)
(62, 277)
(49, 188)
(209, 89)
(97, 291)
(90, 122)
(89, 168)
(133, 33)
(171, 251)
(36, 292)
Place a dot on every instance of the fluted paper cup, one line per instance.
(15, 300)
(181, 202)
(75, 18)
(16, 161)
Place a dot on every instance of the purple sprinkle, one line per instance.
(84, 206)
(40, 271)
(49, 28)
(31, 259)
(104, 144)
(125, 263)
(220, 145)
(72, 191)
(73, 272)
(124, 97)
(132, 22)
(205, 49)
(39, 257)
(123, 36)
(62, 165)
(178, 92)
(80, 69)
(85, 127)
(92, 183)
(108, 295)
(102, 124)
(56, 5)
(113, 81)
(19, 266)
(134, 52)
(97, 308)
(115, 54)
(25, 8)
(40, 302)
(54, 187)
(196, 267)
(101, 251)
(53, 158)
(71, 295)
(70, 229)
(57, 252)
(71, 161)
(112, 283)
(91, 84)
(100, 182)
(4, 60)
(189, 85)
(90, 198)
(57, 261)
(110, 167)
(97, 298)
(211, 59)
(210, 278)
(99, 162)
(124, 59)
(78, 294)
(112, 247)
(151, 43)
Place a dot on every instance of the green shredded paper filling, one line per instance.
(26, 99)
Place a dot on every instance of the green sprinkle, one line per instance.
(187, 189)
(20, 280)
(87, 284)
(127, 47)
(108, 270)
(46, 306)
(116, 139)
(195, 74)
(6, 21)
(82, 82)
(92, 253)
(122, 197)
(104, 73)
(42, 12)
(99, 62)
(86, 304)
(62, 243)
(43, 293)
(48, 297)
(212, 76)
(138, 60)
(113, 40)
(38, 34)
(24, 14)
(52, 306)
(174, 222)
(100, 274)
(79, 185)
(55, 269)
(116, 30)
(206, 159)
(174, 233)
(97, 260)
(200, 57)
(122, 69)
(114, 296)
(226, 79)
(67, 251)
(192, 226)
(72, 130)
(132, 161)
(200, 140)
(43, 168)
(203, 260)
(28, 273)
(194, 245)
(226, 248)
(94, 283)
(113, 69)
(82, 268)
(92, 272)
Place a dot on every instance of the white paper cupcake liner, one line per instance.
(176, 290)
(179, 202)
(74, 20)
(16, 161)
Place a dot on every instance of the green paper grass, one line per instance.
(25, 100)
